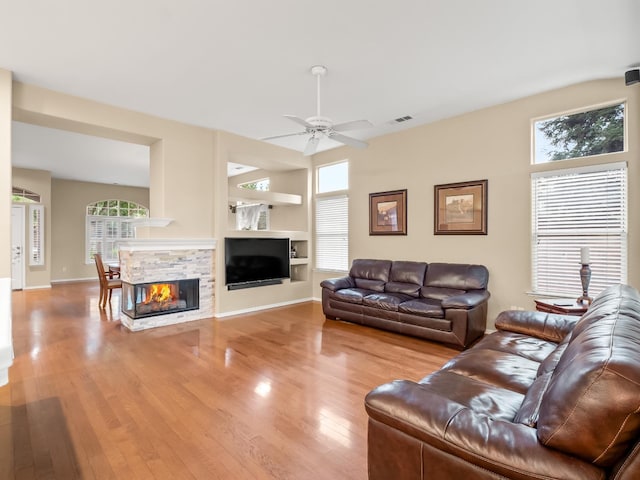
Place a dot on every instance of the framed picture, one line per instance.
(388, 213)
(461, 208)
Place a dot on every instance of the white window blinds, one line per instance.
(583, 207)
(103, 235)
(332, 233)
(36, 235)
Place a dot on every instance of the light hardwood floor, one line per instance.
(271, 395)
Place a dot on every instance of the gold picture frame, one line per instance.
(461, 208)
(388, 213)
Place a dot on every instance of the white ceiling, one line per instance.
(240, 65)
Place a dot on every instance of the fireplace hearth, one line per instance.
(159, 298)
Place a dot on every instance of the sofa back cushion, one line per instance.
(370, 274)
(457, 276)
(406, 277)
(592, 402)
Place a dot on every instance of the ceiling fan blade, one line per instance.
(299, 121)
(312, 146)
(353, 125)
(352, 142)
(284, 135)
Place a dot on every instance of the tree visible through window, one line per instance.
(593, 132)
(107, 222)
(22, 195)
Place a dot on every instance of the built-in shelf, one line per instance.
(237, 194)
(299, 263)
(150, 222)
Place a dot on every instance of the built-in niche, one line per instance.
(267, 200)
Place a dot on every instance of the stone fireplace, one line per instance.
(166, 281)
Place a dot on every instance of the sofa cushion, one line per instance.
(502, 369)
(530, 408)
(422, 306)
(408, 272)
(484, 398)
(370, 274)
(524, 346)
(458, 276)
(367, 284)
(351, 295)
(439, 293)
(591, 406)
(385, 301)
(410, 289)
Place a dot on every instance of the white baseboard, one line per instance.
(75, 280)
(37, 287)
(261, 307)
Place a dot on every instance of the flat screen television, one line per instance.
(255, 261)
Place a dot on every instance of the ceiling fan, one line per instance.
(318, 126)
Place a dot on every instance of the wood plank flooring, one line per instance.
(276, 394)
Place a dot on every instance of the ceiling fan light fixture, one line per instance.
(319, 70)
(319, 126)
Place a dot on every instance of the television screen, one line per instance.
(255, 259)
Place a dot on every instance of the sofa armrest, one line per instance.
(334, 284)
(547, 326)
(466, 300)
(506, 448)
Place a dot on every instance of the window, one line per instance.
(253, 216)
(107, 222)
(333, 177)
(36, 235)
(262, 185)
(332, 218)
(24, 196)
(581, 207)
(592, 132)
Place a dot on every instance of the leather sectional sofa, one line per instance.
(444, 302)
(546, 396)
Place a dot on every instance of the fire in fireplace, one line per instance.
(158, 298)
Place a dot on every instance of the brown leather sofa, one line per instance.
(544, 397)
(445, 302)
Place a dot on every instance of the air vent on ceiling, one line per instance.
(401, 119)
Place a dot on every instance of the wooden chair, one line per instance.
(107, 283)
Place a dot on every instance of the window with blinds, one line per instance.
(332, 217)
(582, 207)
(332, 233)
(36, 235)
(108, 222)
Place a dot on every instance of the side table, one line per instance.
(563, 306)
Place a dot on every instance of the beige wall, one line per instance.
(69, 201)
(189, 184)
(181, 156)
(5, 173)
(188, 180)
(37, 181)
(493, 144)
(275, 160)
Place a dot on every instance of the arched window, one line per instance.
(20, 195)
(109, 221)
